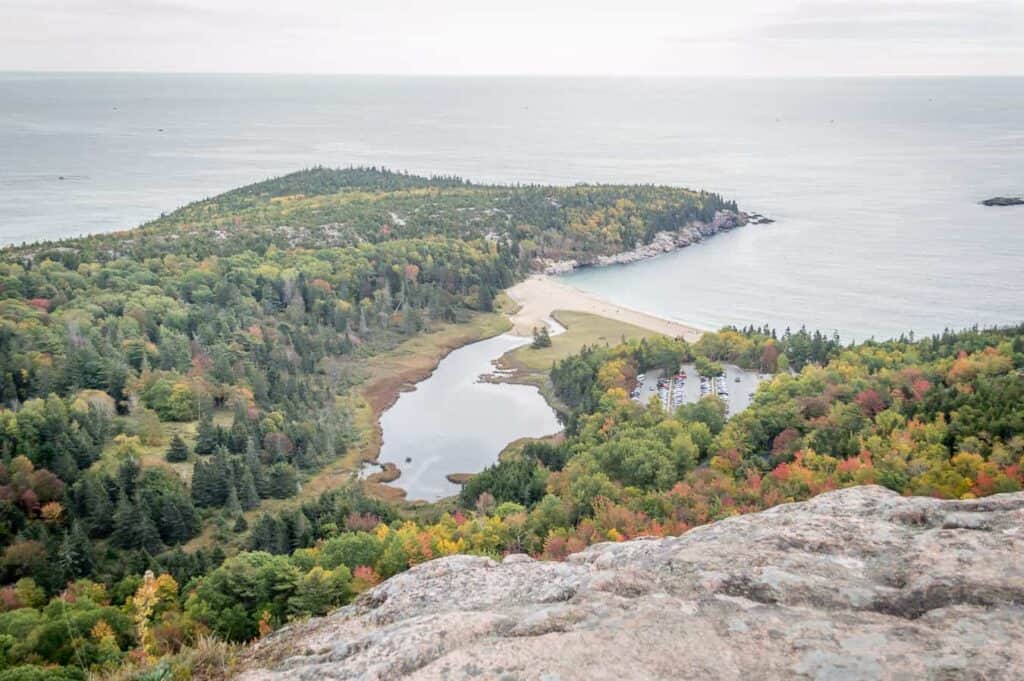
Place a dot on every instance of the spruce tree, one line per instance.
(541, 338)
(207, 435)
(177, 451)
(171, 525)
(238, 436)
(133, 529)
(149, 537)
(232, 506)
(127, 473)
(75, 553)
(269, 534)
(202, 495)
(282, 481)
(126, 518)
(96, 508)
(248, 497)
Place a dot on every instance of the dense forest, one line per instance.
(168, 381)
(166, 392)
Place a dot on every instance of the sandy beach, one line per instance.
(540, 295)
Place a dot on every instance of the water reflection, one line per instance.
(453, 423)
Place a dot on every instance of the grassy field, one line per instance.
(531, 366)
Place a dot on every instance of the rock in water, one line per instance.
(1003, 201)
(859, 583)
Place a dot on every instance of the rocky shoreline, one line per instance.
(663, 242)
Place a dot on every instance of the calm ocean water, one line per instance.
(874, 183)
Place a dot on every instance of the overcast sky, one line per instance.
(609, 37)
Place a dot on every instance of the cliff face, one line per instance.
(854, 584)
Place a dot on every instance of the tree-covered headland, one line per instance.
(168, 393)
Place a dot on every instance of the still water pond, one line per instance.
(453, 423)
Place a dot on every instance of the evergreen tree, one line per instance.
(148, 536)
(247, 494)
(75, 553)
(485, 298)
(126, 519)
(172, 526)
(232, 506)
(207, 435)
(133, 529)
(269, 534)
(282, 481)
(177, 451)
(541, 338)
(212, 480)
(94, 505)
(127, 472)
(238, 436)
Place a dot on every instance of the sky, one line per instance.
(537, 37)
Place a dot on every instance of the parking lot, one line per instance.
(736, 387)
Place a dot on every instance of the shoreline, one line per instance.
(663, 242)
(536, 298)
(392, 374)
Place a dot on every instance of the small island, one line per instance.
(1004, 201)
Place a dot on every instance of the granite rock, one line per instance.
(854, 584)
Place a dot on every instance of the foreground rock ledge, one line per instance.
(855, 584)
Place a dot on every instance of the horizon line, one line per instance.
(440, 74)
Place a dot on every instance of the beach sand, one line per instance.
(540, 295)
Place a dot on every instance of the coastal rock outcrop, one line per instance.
(1004, 201)
(859, 583)
(662, 242)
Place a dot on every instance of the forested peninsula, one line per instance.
(182, 406)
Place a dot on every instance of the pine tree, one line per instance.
(177, 451)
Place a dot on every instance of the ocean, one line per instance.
(874, 183)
